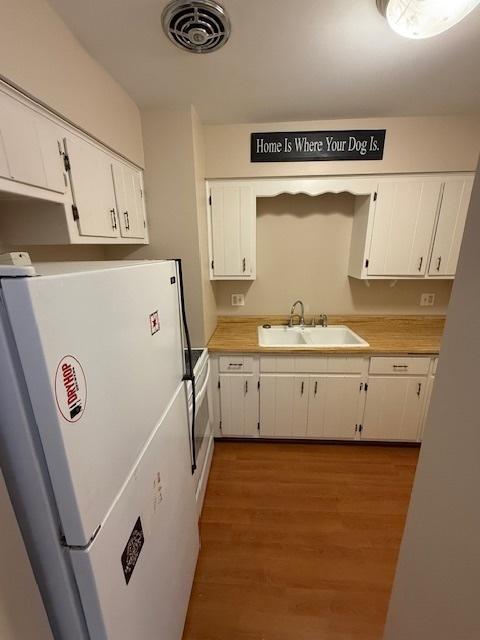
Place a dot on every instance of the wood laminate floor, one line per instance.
(299, 541)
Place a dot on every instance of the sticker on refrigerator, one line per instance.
(154, 323)
(70, 389)
(132, 550)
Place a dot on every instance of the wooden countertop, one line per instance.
(399, 335)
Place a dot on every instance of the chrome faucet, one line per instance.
(293, 315)
(323, 320)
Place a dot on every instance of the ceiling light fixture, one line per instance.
(424, 18)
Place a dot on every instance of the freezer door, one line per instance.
(102, 358)
(136, 577)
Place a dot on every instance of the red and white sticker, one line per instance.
(154, 323)
(70, 389)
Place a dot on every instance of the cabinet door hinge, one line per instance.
(375, 196)
(75, 212)
(66, 162)
(367, 262)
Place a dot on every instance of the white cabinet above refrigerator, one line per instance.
(60, 186)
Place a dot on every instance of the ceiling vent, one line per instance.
(199, 26)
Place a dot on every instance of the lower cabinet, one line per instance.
(335, 407)
(394, 408)
(283, 406)
(377, 399)
(239, 404)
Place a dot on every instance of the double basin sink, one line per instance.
(337, 335)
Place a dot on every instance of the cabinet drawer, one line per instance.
(400, 366)
(232, 364)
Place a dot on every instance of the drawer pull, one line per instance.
(235, 365)
(404, 367)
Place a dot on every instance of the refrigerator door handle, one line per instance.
(188, 376)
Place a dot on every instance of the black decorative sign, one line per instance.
(132, 550)
(307, 146)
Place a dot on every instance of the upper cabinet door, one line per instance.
(129, 199)
(92, 188)
(232, 232)
(21, 143)
(50, 136)
(450, 226)
(403, 226)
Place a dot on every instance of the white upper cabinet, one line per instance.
(232, 232)
(129, 200)
(450, 226)
(68, 188)
(92, 188)
(30, 150)
(404, 218)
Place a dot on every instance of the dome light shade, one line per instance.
(424, 18)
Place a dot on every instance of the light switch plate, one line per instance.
(238, 300)
(427, 300)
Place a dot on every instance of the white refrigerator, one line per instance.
(94, 444)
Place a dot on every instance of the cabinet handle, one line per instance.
(439, 262)
(316, 387)
(302, 388)
(246, 387)
(420, 263)
(114, 218)
(419, 388)
(235, 365)
(244, 265)
(400, 366)
(127, 221)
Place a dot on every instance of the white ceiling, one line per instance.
(285, 60)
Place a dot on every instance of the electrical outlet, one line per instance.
(427, 300)
(238, 300)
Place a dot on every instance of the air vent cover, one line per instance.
(199, 26)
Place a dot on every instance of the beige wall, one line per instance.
(411, 145)
(22, 615)
(303, 247)
(435, 594)
(171, 199)
(209, 303)
(41, 56)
